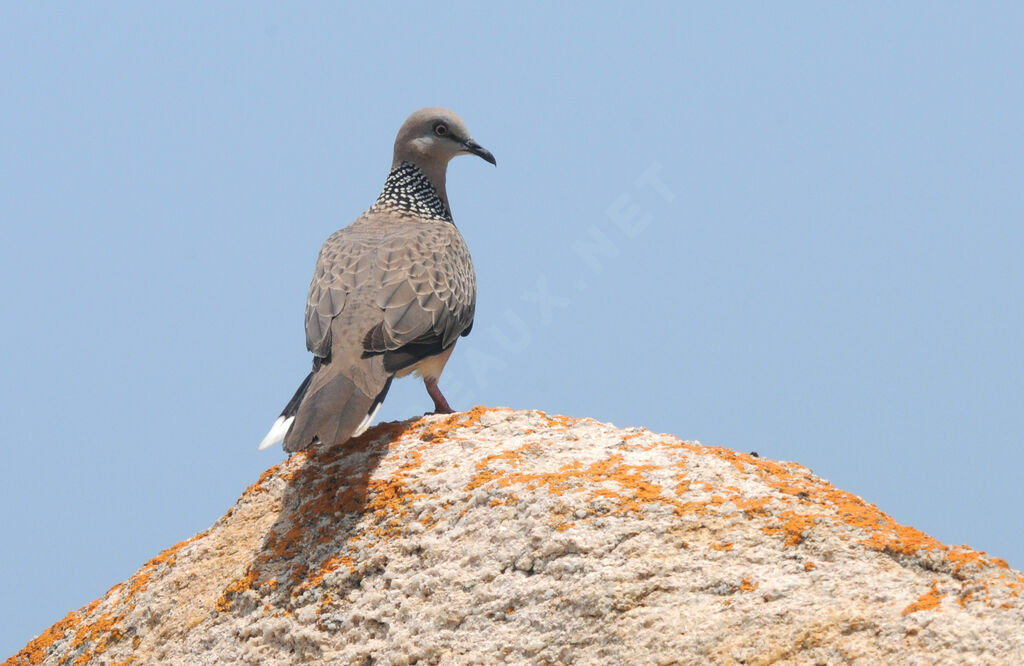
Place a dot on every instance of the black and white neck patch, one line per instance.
(408, 190)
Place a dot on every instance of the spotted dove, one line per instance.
(391, 293)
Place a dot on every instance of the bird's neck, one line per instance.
(409, 190)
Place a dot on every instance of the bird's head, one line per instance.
(431, 137)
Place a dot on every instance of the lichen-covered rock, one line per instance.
(497, 536)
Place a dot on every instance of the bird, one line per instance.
(391, 293)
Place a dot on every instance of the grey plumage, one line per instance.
(391, 293)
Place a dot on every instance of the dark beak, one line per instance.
(478, 150)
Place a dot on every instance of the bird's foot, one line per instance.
(441, 405)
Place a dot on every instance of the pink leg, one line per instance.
(440, 404)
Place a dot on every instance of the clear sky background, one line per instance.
(795, 229)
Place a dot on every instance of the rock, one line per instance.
(511, 536)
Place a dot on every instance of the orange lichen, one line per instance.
(747, 586)
(822, 503)
(384, 505)
(330, 565)
(899, 539)
(752, 506)
(633, 492)
(808, 566)
(235, 587)
(94, 633)
(437, 432)
(794, 527)
(558, 421)
(963, 557)
(930, 600)
(258, 486)
(35, 651)
(725, 545)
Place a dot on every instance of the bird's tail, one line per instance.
(331, 409)
(284, 421)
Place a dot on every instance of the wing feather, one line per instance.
(417, 277)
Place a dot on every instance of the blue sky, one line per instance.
(794, 229)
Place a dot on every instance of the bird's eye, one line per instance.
(441, 130)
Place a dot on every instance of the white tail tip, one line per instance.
(364, 425)
(277, 432)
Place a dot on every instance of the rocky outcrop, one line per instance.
(502, 536)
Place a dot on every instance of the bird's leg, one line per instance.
(441, 405)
